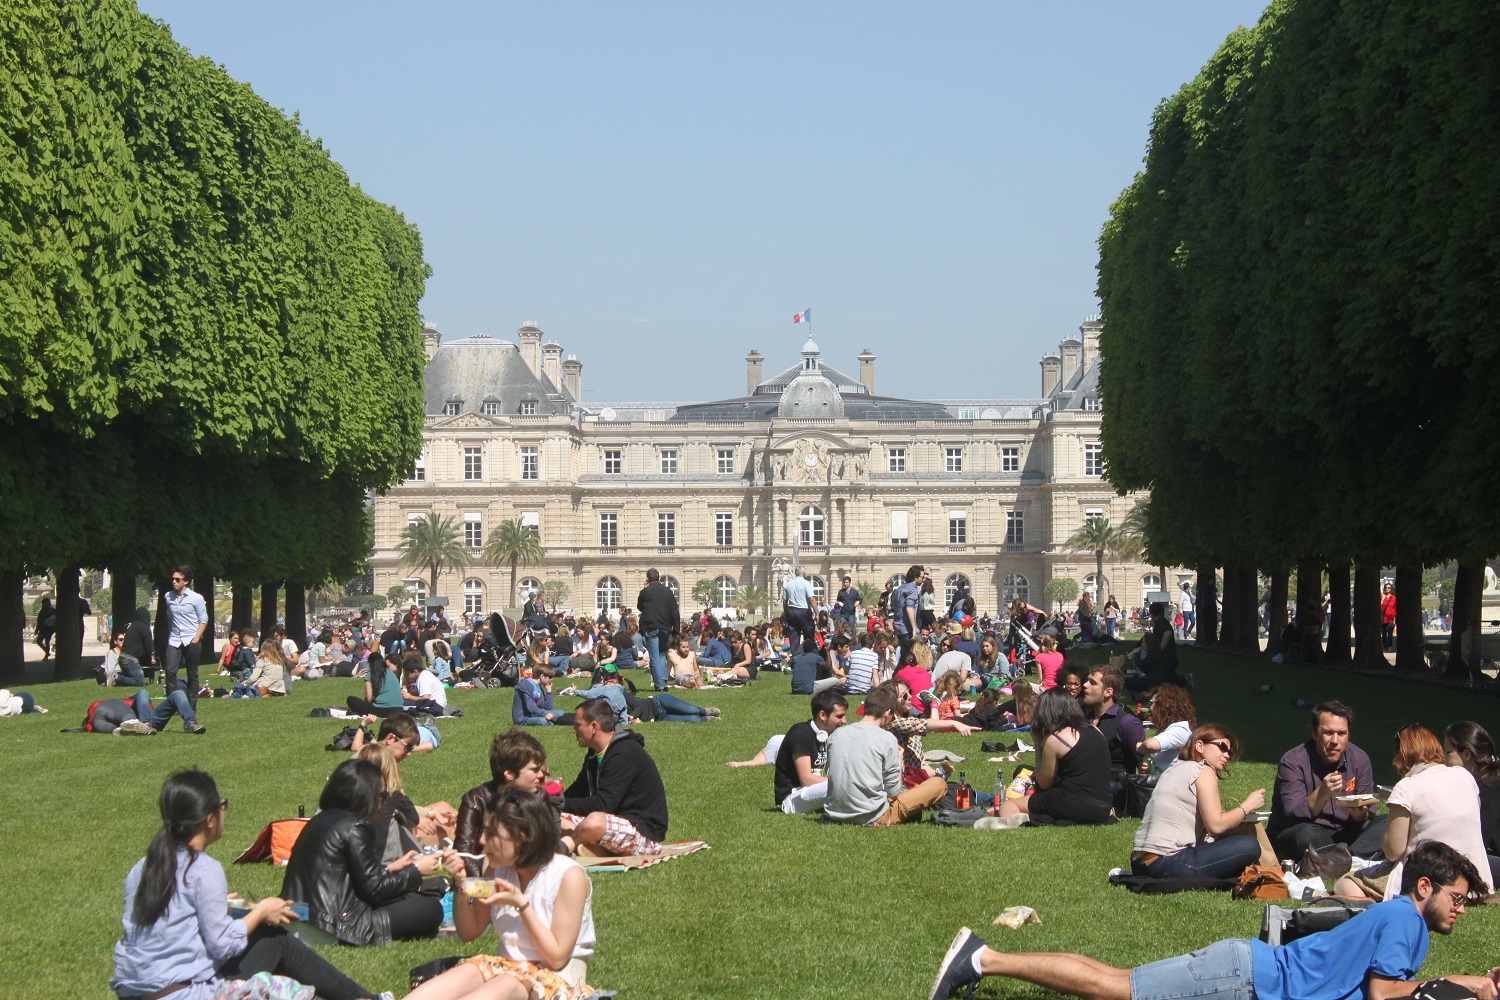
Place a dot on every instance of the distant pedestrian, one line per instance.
(189, 620)
(46, 626)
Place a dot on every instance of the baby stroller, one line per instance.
(494, 663)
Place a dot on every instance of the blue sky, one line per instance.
(660, 186)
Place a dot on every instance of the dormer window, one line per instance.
(810, 364)
(490, 408)
(452, 407)
(528, 407)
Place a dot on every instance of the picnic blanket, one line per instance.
(633, 862)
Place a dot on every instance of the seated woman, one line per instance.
(540, 908)
(1070, 679)
(916, 677)
(1468, 745)
(1072, 766)
(336, 869)
(382, 690)
(442, 660)
(1172, 715)
(1048, 661)
(1432, 801)
(742, 665)
(517, 760)
(120, 669)
(990, 665)
(268, 679)
(178, 931)
(1185, 811)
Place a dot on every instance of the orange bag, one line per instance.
(1261, 882)
(275, 842)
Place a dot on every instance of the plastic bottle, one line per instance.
(963, 798)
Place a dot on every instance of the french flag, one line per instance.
(805, 316)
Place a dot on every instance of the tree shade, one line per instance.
(1296, 291)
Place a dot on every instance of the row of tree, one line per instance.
(211, 350)
(1294, 289)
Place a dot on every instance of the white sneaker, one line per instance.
(134, 727)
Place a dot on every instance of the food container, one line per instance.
(478, 888)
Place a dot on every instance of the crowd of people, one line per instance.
(373, 867)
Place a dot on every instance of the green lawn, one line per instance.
(781, 906)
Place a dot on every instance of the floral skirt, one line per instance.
(541, 982)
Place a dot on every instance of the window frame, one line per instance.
(958, 527)
(723, 529)
(666, 529)
(895, 459)
(613, 461)
(1010, 459)
(531, 463)
(473, 463)
(609, 529)
(953, 459)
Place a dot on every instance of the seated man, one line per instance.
(517, 760)
(807, 666)
(421, 691)
(1122, 728)
(1311, 776)
(608, 689)
(863, 667)
(801, 780)
(682, 664)
(619, 809)
(864, 771)
(532, 702)
(1373, 956)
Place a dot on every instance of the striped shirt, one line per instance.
(862, 666)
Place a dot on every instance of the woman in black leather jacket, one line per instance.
(336, 869)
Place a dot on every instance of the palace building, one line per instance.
(810, 465)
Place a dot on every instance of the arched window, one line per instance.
(820, 589)
(897, 579)
(418, 590)
(727, 589)
(473, 597)
(1150, 583)
(950, 587)
(670, 582)
(810, 523)
(608, 594)
(1091, 587)
(1015, 588)
(526, 586)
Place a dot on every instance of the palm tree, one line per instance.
(432, 544)
(752, 598)
(1099, 537)
(514, 543)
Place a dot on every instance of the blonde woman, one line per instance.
(268, 679)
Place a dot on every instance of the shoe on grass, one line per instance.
(134, 727)
(958, 966)
(1001, 822)
(197, 729)
(713, 713)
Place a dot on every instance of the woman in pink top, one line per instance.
(1049, 661)
(916, 677)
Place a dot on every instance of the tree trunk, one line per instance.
(242, 614)
(1410, 655)
(296, 614)
(1229, 626)
(1276, 610)
(12, 628)
(1208, 605)
(67, 646)
(1310, 610)
(1368, 652)
(207, 646)
(267, 609)
(1338, 649)
(121, 598)
(1098, 576)
(514, 560)
(161, 631)
(1249, 613)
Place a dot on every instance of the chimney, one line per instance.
(552, 362)
(753, 361)
(1090, 332)
(530, 336)
(867, 370)
(573, 377)
(1051, 366)
(1072, 352)
(432, 338)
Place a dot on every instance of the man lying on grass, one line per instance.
(1371, 957)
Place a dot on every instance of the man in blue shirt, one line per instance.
(904, 608)
(801, 611)
(189, 619)
(1370, 957)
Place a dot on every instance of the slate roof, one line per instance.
(478, 368)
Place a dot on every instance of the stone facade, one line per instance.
(809, 459)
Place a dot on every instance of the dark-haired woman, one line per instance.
(336, 867)
(1468, 745)
(539, 903)
(1185, 810)
(179, 939)
(1072, 766)
(382, 689)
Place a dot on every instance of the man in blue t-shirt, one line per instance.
(1373, 956)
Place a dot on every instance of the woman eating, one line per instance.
(1172, 715)
(1072, 766)
(180, 942)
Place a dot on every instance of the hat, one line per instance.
(954, 628)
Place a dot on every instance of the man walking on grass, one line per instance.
(1373, 956)
(189, 620)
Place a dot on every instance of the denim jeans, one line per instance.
(175, 703)
(1224, 858)
(670, 708)
(187, 657)
(244, 691)
(656, 640)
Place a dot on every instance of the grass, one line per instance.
(781, 906)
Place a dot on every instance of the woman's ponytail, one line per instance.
(187, 799)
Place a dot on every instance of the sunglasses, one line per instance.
(1223, 746)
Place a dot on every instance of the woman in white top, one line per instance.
(540, 909)
(1185, 811)
(1432, 801)
(1172, 715)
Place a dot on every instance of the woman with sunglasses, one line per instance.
(180, 941)
(336, 867)
(1186, 809)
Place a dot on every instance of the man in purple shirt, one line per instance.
(1122, 729)
(1304, 808)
